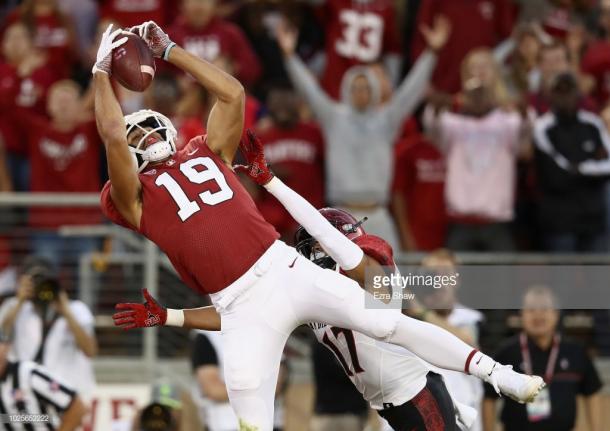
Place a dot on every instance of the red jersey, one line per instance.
(63, 162)
(20, 97)
(54, 35)
(196, 210)
(219, 37)
(476, 23)
(596, 62)
(356, 33)
(296, 156)
(129, 13)
(419, 176)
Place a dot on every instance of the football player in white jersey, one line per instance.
(397, 383)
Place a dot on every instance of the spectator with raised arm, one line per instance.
(482, 142)
(359, 134)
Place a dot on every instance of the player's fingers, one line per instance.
(127, 306)
(241, 168)
(107, 31)
(148, 297)
(127, 327)
(122, 322)
(123, 314)
(119, 42)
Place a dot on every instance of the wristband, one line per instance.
(167, 50)
(174, 317)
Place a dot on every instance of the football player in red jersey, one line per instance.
(403, 390)
(192, 205)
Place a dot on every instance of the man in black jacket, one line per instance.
(572, 165)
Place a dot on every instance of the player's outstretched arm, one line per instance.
(226, 120)
(346, 253)
(151, 313)
(111, 127)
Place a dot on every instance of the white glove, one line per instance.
(158, 41)
(103, 61)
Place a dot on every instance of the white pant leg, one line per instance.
(256, 322)
(338, 301)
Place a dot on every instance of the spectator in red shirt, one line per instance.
(418, 199)
(129, 13)
(54, 32)
(295, 150)
(201, 32)
(65, 157)
(596, 60)
(358, 32)
(475, 23)
(24, 80)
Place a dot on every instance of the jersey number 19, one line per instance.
(186, 206)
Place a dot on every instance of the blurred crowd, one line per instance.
(476, 125)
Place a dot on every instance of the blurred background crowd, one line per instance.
(471, 125)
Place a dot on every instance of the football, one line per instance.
(133, 64)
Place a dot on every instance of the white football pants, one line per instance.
(283, 290)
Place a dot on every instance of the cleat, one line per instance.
(519, 387)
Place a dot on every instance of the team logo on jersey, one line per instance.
(61, 155)
(151, 172)
(170, 162)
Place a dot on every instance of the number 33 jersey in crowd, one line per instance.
(194, 208)
(383, 373)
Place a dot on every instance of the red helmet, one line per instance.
(342, 220)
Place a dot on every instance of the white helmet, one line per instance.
(159, 150)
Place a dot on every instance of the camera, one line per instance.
(46, 288)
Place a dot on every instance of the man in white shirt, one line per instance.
(49, 328)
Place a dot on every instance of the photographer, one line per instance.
(49, 328)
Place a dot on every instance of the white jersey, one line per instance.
(383, 373)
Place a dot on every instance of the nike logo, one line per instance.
(292, 264)
(192, 152)
(492, 369)
(479, 361)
